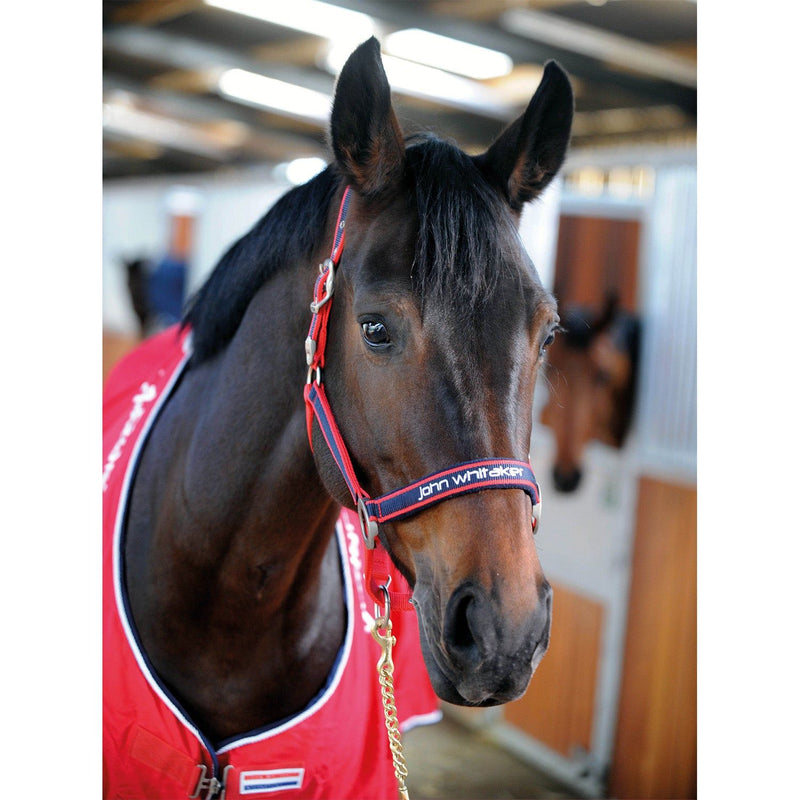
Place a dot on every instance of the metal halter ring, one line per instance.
(369, 528)
(387, 606)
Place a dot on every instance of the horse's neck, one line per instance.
(230, 530)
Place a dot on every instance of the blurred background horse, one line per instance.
(592, 369)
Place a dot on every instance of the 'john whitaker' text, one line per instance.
(437, 486)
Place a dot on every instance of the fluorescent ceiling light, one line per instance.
(259, 90)
(183, 201)
(301, 170)
(309, 16)
(452, 55)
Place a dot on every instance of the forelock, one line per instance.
(465, 232)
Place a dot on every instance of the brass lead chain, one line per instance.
(386, 680)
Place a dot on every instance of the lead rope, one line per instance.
(386, 680)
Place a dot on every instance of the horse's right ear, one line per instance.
(529, 153)
(365, 134)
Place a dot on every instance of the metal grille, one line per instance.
(667, 419)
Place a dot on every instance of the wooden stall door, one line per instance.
(656, 744)
(596, 256)
(558, 707)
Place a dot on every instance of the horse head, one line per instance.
(434, 342)
(593, 366)
(137, 277)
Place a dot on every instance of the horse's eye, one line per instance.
(375, 334)
(551, 337)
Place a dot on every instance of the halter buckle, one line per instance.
(311, 350)
(369, 528)
(328, 265)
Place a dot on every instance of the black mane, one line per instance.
(289, 231)
(459, 249)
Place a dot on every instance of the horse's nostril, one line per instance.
(460, 632)
(467, 627)
(566, 480)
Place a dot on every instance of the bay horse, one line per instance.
(229, 583)
(592, 371)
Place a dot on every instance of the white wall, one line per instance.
(135, 223)
(538, 229)
(667, 413)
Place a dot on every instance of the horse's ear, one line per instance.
(529, 153)
(365, 134)
(607, 312)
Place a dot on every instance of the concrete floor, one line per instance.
(448, 760)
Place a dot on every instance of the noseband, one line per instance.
(471, 476)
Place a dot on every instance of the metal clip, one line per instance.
(384, 622)
(210, 785)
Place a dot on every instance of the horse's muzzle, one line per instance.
(566, 480)
(476, 655)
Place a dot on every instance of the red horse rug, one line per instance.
(336, 747)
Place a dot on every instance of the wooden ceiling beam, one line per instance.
(481, 10)
(150, 12)
(259, 137)
(587, 40)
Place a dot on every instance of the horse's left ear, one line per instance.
(529, 153)
(365, 134)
